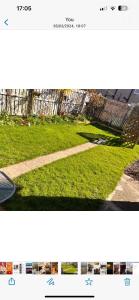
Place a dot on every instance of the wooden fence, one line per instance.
(112, 113)
(15, 102)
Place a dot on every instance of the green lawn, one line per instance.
(68, 268)
(80, 182)
(22, 142)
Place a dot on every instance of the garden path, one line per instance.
(21, 168)
(127, 190)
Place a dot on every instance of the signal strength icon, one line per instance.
(103, 8)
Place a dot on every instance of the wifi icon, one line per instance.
(113, 7)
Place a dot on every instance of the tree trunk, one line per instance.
(61, 98)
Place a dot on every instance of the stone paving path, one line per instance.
(126, 190)
(21, 168)
(124, 197)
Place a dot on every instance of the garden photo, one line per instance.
(69, 149)
(69, 268)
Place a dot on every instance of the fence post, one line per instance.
(30, 102)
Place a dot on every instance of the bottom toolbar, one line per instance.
(81, 280)
(49, 286)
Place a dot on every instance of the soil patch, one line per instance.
(133, 170)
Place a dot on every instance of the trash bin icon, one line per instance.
(127, 281)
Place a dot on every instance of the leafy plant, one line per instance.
(42, 119)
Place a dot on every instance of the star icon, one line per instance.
(88, 281)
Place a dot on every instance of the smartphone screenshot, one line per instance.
(69, 149)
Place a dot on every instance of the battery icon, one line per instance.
(122, 7)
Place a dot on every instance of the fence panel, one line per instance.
(15, 102)
(114, 113)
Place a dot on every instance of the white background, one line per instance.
(60, 59)
(69, 236)
(92, 59)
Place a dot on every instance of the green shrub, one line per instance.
(5, 119)
(42, 119)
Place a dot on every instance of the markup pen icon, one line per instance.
(51, 281)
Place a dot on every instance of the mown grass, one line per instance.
(79, 182)
(69, 268)
(22, 142)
